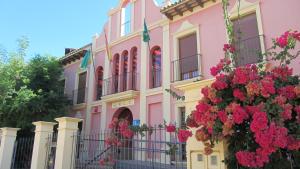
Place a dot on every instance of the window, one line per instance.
(99, 82)
(115, 76)
(155, 70)
(80, 93)
(125, 70)
(126, 19)
(188, 57)
(133, 68)
(246, 40)
(62, 86)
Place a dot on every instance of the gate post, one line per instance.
(67, 129)
(42, 132)
(7, 146)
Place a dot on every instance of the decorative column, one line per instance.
(43, 131)
(7, 146)
(143, 82)
(67, 130)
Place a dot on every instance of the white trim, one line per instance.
(143, 76)
(166, 74)
(154, 91)
(185, 29)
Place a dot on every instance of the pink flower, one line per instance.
(287, 111)
(127, 133)
(239, 94)
(222, 116)
(287, 91)
(220, 82)
(240, 76)
(183, 135)
(282, 72)
(228, 48)
(214, 71)
(259, 122)
(239, 114)
(203, 107)
(171, 128)
(267, 87)
(282, 41)
(102, 162)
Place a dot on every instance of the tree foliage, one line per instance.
(30, 91)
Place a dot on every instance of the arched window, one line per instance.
(99, 82)
(133, 74)
(125, 70)
(115, 76)
(126, 18)
(155, 68)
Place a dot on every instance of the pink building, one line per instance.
(187, 38)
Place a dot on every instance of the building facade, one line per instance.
(187, 37)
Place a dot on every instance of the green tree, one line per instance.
(30, 91)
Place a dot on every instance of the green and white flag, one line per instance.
(146, 36)
(85, 60)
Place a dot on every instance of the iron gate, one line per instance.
(22, 153)
(51, 151)
(154, 149)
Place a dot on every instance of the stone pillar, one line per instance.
(7, 146)
(43, 131)
(67, 129)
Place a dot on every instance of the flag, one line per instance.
(107, 47)
(85, 60)
(146, 36)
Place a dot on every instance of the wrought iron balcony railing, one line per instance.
(79, 95)
(120, 83)
(248, 51)
(185, 68)
(155, 78)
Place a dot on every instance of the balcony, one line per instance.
(155, 78)
(120, 87)
(248, 51)
(185, 68)
(79, 96)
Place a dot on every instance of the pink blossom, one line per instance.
(183, 135)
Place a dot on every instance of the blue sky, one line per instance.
(52, 25)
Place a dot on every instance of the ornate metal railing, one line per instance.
(120, 83)
(156, 78)
(185, 68)
(248, 51)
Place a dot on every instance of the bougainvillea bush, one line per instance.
(255, 109)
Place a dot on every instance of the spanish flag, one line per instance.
(108, 52)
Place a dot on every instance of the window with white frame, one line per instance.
(126, 19)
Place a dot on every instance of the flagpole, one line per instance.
(93, 62)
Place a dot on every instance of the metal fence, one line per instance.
(51, 151)
(185, 68)
(151, 149)
(22, 153)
